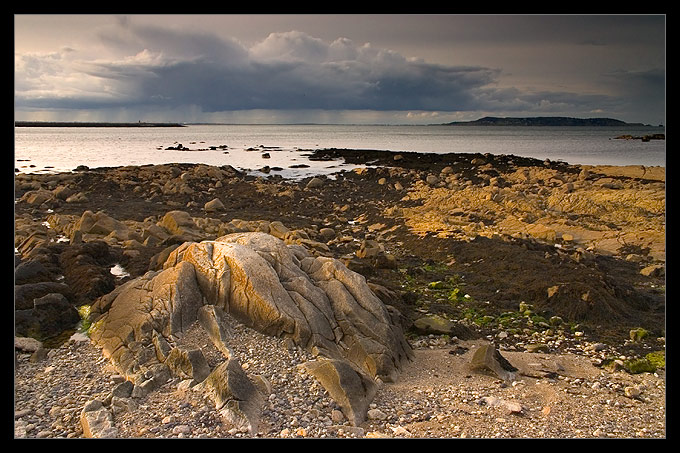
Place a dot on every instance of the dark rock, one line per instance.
(51, 315)
(31, 271)
(87, 270)
(26, 293)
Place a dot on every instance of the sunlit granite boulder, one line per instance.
(277, 289)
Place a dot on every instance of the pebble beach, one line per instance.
(555, 264)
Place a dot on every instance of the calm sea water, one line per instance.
(41, 149)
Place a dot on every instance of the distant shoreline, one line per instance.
(486, 121)
(91, 124)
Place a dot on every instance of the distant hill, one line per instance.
(542, 121)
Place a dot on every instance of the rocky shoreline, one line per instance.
(560, 268)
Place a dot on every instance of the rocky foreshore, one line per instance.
(422, 296)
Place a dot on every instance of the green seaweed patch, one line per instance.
(640, 365)
(647, 364)
(93, 327)
(638, 334)
(435, 267)
(508, 319)
(85, 323)
(539, 321)
(657, 358)
(478, 317)
(438, 285)
(457, 295)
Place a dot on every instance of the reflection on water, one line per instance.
(283, 149)
(119, 272)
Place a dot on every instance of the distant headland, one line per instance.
(91, 124)
(545, 121)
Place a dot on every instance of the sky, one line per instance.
(342, 68)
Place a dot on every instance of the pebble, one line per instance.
(181, 429)
(632, 392)
(376, 414)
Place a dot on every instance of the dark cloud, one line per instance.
(301, 85)
(286, 71)
(154, 67)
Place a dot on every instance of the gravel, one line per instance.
(554, 395)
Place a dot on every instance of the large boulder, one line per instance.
(284, 291)
(277, 289)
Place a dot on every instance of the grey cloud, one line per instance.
(170, 68)
(130, 39)
(301, 85)
(641, 92)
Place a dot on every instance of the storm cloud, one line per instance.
(290, 70)
(156, 68)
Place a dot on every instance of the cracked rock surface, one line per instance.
(280, 290)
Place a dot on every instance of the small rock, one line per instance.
(181, 429)
(490, 401)
(432, 180)
(556, 321)
(214, 205)
(314, 183)
(401, 431)
(597, 347)
(512, 407)
(540, 347)
(97, 421)
(487, 358)
(376, 435)
(653, 271)
(337, 416)
(376, 414)
(121, 405)
(327, 233)
(599, 433)
(632, 392)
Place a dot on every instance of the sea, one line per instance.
(284, 149)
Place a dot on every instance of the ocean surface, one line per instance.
(51, 149)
